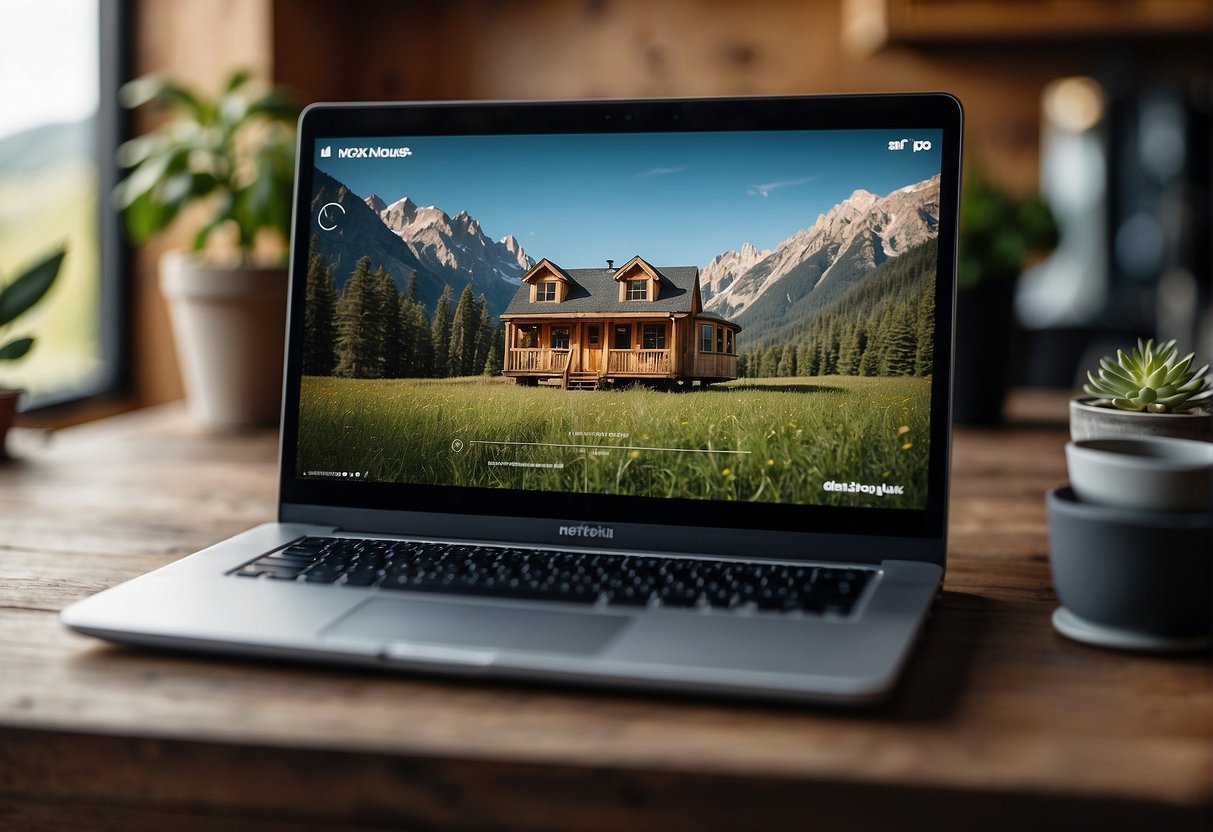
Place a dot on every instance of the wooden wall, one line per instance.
(451, 49)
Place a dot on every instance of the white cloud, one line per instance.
(661, 172)
(765, 190)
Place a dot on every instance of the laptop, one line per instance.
(647, 394)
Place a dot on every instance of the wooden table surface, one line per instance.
(1000, 722)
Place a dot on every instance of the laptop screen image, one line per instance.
(691, 326)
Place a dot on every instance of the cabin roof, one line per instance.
(595, 290)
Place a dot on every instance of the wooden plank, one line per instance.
(996, 709)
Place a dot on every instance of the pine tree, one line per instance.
(463, 333)
(389, 302)
(484, 335)
(770, 363)
(873, 354)
(441, 334)
(494, 361)
(787, 362)
(410, 292)
(360, 322)
(899, 344)
(849, 352)
(319, 313)
(407, 349)
(924, 356)
(423, 342)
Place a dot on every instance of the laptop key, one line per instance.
(566, 577)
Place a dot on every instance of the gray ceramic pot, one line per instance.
(1143, 571)
(1090, 422)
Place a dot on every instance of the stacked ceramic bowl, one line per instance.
(1131, 543)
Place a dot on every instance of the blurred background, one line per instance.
(1100, 107)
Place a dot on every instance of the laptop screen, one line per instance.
(701, 325)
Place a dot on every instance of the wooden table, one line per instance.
(1000, 723)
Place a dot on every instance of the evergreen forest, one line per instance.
(371, 330)
(883, 325)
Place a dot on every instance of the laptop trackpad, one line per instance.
(385, 621)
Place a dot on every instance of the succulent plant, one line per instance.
(1150, 379)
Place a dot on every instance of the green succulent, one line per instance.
(1150, 379)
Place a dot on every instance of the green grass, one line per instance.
(789, 436)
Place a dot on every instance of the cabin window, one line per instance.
(546, 291)
(728, 341)
(705, 337)
(653, 337)
(623, 336)
(719, 339)
(593, 334)
(560, 337)
(528, 337)
(638, 290)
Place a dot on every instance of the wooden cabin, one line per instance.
(592, 328)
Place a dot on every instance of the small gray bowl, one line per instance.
(1146, 473)
(1142, 571)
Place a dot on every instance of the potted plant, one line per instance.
(999, 233)
(234, 155)
(1150, 391)
(17, 298)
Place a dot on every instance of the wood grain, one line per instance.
(998, 718)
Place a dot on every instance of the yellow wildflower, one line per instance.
(726, 472)
(907, 446)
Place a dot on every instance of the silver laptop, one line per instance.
(648, 394)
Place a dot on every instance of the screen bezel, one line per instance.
(702, 525)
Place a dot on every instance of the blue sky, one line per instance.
(674, 199)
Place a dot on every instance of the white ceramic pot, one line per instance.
(1090, 422)
(229, 327)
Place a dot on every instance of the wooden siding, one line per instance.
(715, 365)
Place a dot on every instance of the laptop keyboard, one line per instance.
(567, 577)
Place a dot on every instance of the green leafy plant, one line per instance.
(999, 231)
(237, 151)
(1149, 378)
(18, 297)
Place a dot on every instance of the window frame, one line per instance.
(615, 333)
(638, 289)
(524, 331)
(553, 337)
(545, 291)
(113, 373)
(658, 331)
(706, 338)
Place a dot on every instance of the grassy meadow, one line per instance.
(781, 438)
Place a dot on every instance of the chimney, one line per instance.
(611, 265)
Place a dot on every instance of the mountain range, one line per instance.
(763, 290)
(404, 238)
(821, 262)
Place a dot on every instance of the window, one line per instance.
(638, 290)
(623, 336)
(705, 337)
(719, 339)
(59, 129)
(546, 291)
(593, 335)
(560, 337)
(528, 337)
(653, 337)
(728, 341)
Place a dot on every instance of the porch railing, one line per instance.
(639, 362)
(537, 360)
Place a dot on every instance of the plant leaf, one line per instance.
(15, 349)
(30, 287)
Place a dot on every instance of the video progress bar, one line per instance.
(608, 447)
